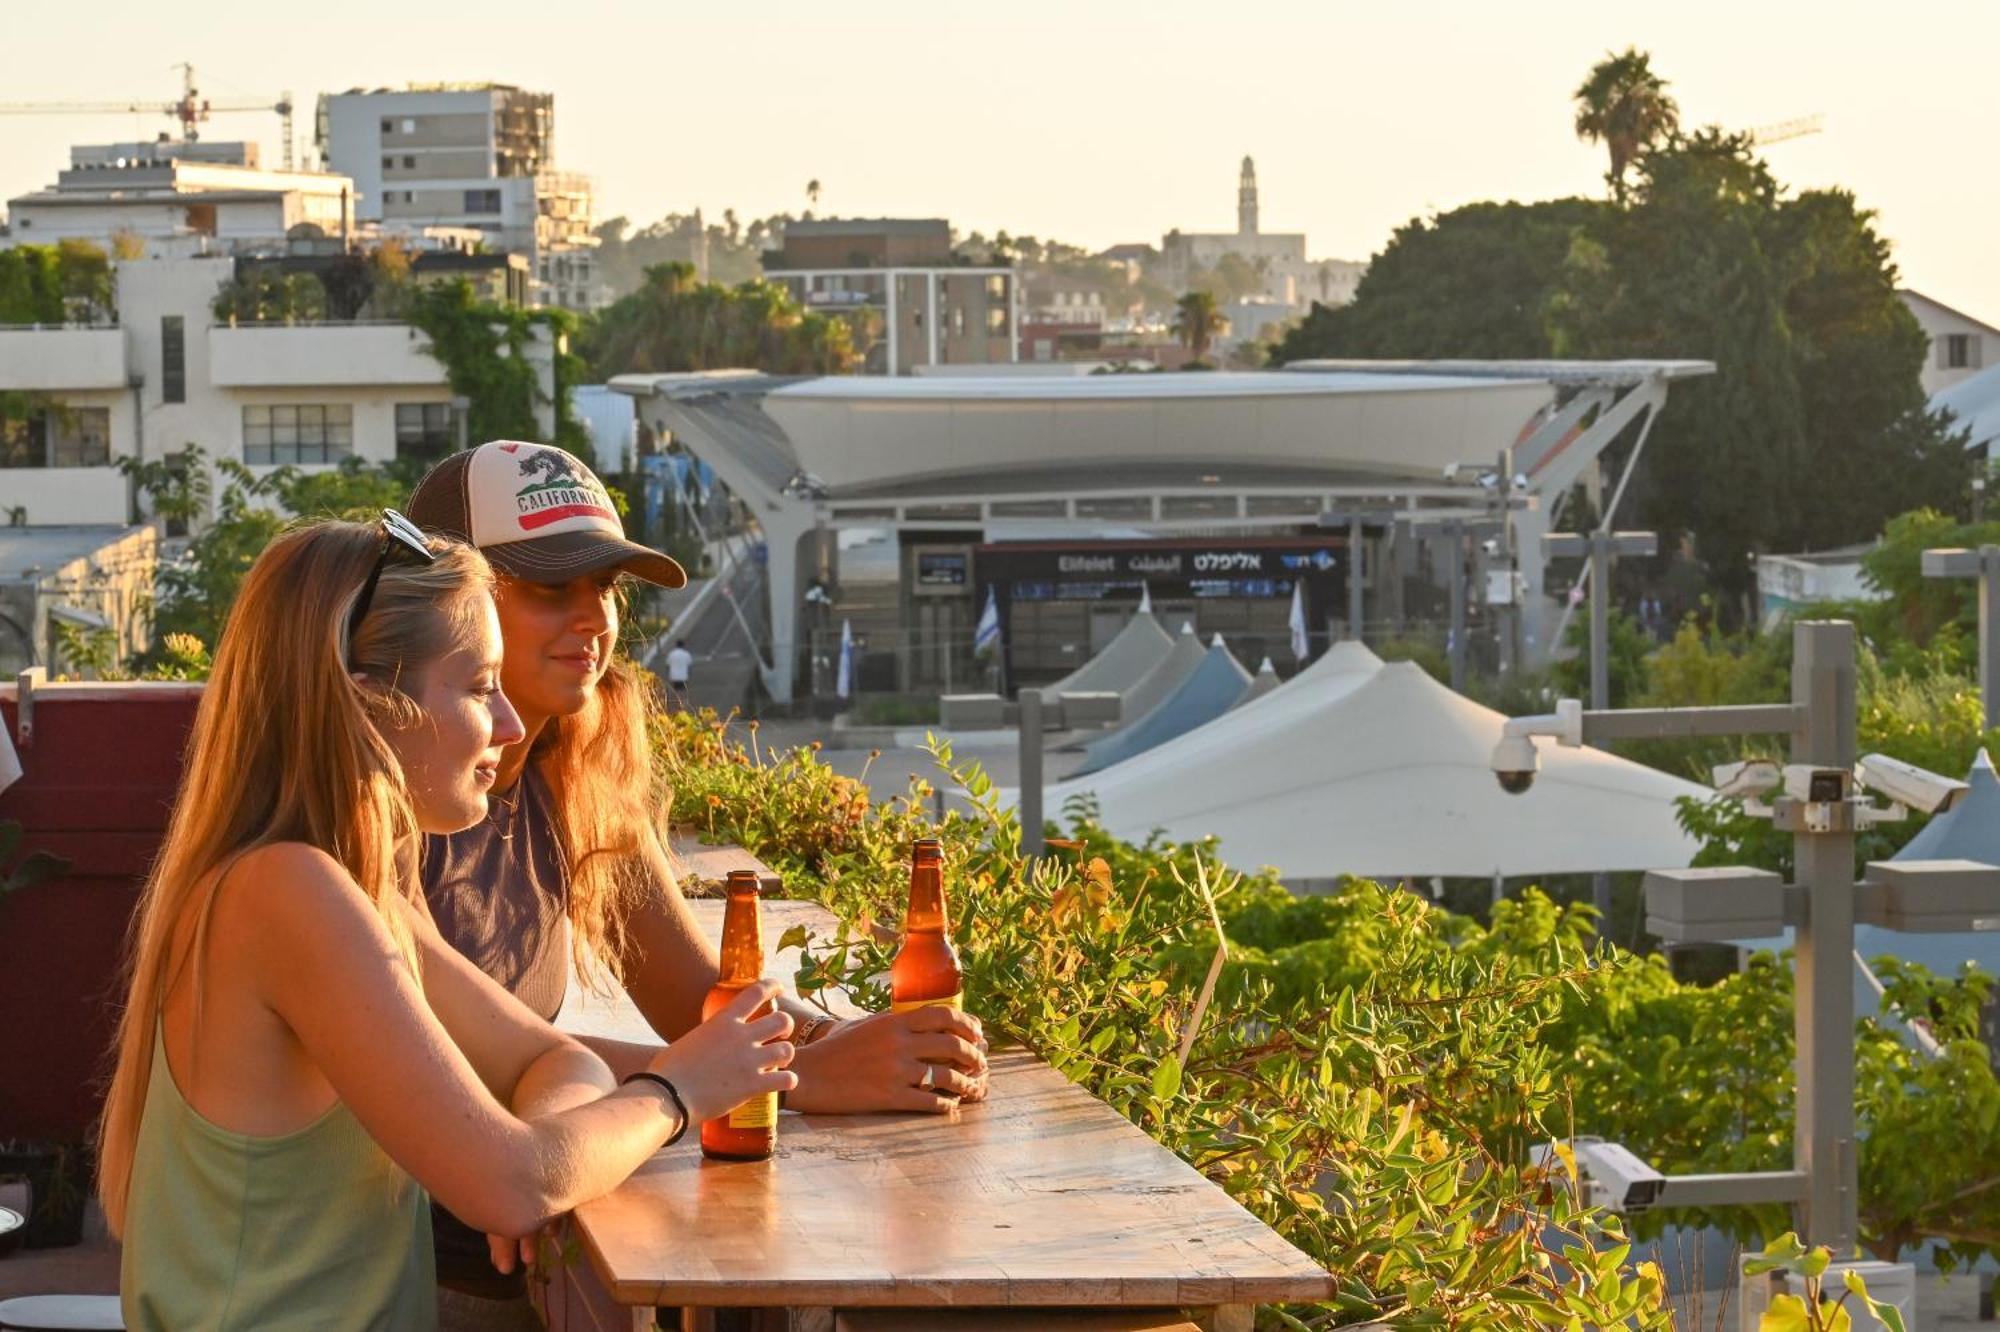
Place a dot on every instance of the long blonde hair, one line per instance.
(289, 746)
(609, 812)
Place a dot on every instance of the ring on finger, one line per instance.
(929, 1079)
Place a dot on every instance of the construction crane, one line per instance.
(1766, 135)
(191, 110)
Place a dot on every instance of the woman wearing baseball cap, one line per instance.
(571, 857)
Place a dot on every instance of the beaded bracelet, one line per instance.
(673, 1094)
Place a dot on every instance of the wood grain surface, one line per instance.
(1040, 1196)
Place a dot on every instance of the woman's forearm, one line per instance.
(562, 1078)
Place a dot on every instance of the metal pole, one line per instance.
(1457, 537)
(1989, 634)
(1354, 577)
(1600, 620)
(1030, 701)
(1600, 678)
(1823, 685)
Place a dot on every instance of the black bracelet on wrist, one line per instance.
(673, 1094)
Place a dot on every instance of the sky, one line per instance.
(1091, 121)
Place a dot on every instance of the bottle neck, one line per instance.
(742, 940)
(927, 914)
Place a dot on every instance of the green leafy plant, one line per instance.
(1812, 1311)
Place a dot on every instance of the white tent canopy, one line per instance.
(1181, 661)
(1210, 690)
(1384, 772)
(1263, 682)
(1138, 648)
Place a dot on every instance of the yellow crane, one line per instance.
(191, 109)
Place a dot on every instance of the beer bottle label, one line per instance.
(952, 1001)
(759, 1112)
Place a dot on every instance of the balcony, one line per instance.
(53, 358)
(317, 355)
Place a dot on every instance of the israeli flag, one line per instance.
(1300, 644)
(986, 638)
(843, 684)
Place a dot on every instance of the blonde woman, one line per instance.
(301, 1059)
(569, 860)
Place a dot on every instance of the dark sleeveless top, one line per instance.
(499, 895)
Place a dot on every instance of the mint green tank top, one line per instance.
(312, 1229)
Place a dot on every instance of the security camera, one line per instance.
(1451, 470)
(1909, 785)
(1521, 482)
(1515, 761)
(1619, 1180)
(1491, 545)
(1748, 779)
(1810, 784)
(1489, 481)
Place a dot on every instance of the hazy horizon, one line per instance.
(1092, 123)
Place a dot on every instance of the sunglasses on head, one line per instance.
(399, 536)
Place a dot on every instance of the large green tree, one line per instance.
(676, 322)
(1475, 282)
(1624, 106)
(1813, 431)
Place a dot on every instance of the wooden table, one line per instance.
(1042, 1195)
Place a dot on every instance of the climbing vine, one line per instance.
(484, 349)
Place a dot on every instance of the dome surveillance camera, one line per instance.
(1515, 763)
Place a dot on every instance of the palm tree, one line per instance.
(812, 192)
(1624, 105)
(1197, 321)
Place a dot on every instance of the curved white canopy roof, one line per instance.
(854, 434)
(1386, 772)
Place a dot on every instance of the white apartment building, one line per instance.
(1961, 346)
(179, 199)
(469, 155)
(167, 375)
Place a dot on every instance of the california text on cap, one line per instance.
(536, 512)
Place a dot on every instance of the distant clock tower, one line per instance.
(1246, 200)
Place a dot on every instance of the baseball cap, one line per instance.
(536, 512)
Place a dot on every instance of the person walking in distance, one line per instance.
(680, 665)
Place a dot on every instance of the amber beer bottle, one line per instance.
(750, 1131)
(926, 969)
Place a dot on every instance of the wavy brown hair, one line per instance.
(610, 812)
(289, 746)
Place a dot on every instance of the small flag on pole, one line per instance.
(1300, 644)
(844, 682)
(986, 638)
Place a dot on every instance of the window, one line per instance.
(409, 162)
(302, 433)
(80, 437)
(409, 125)
(425, 430)
(60, 437)
(388, 164)
(173, 358)
(1960, 351)
(388, 127)
(996, 320)
(996, 287)
(482, 201)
